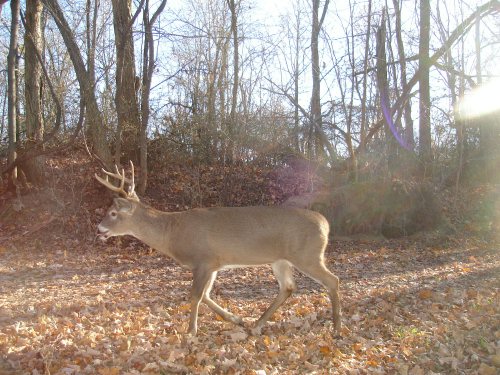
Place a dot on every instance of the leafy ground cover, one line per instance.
(409, 308)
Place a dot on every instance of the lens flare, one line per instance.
(480, 101)
(386, 111)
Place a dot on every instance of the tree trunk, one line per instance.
(425, 151)
(33, 168)
(364, 121)
(409, 138)
(147, 63)
(489, 125)
(316, 83)
(12, 88)
(391, 133)
(316, 128)
(296, 73)
(207, 129)
(91, 35)
(94, 118)
(236, 67)
(452, 85)
(125, 100)
(222, 86)
(148, 66)
(477, 44)
(353, 170)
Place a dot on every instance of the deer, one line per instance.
(207, 240)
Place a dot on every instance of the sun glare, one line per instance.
(480, 101)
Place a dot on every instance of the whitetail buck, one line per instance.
(207, 240)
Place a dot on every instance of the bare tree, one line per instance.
(489, 135)
(33, 168)
(12, 86)
(204, 77)
(233, 8)
(391, 132)
(127, 106)
(148, 66)
(94, 117)
(291, 53)
(91, 35)
(425, 151)
(409, 137)
(347, 96)
(364, 97)
(316, 117)
(296, 70)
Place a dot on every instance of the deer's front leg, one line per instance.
(201, 281)
(226, 315)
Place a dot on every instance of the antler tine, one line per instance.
(131, 189)
(122, 180)
(116, 175)
(120, 176)
(109, 185)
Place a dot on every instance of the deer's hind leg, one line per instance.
(283, 271)
(226, 315)
(318, 271)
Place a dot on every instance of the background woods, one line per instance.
(333, 91)
(221, 81)
(209, 81)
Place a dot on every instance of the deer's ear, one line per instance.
(124, 205)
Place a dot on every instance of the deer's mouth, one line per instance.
(103, 236)
(102, 233)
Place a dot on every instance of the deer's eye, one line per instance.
(113, 214)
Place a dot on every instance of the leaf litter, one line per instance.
(122, 309)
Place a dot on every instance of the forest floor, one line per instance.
(111, 309)
(427, 304)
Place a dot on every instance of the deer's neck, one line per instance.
(153, 227)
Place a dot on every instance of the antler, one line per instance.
(130, 194)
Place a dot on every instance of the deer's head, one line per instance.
(119, 217)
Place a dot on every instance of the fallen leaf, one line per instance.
(238, 336)
(266, 340)
(425, 294)
(485, 369)
(325, 350)
(176, 354)
(109, 370)
(495, 360)
(417, 370)
(151, 367)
